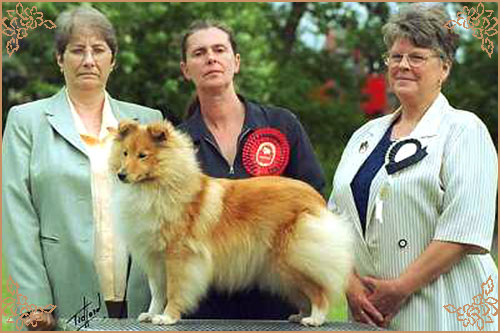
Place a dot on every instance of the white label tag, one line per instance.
(379, 206)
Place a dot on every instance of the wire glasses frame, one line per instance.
(414, 59)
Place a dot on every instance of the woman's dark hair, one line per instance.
(84, 17)
(194, 27)
(423, 25)
(202, 25)
(194, 103)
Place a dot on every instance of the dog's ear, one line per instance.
(159, 131)
(126, 126)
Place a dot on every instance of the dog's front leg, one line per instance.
(157, 280)
(188, 277)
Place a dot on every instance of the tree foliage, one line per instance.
(278, 66)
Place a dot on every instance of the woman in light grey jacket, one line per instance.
(57, 235)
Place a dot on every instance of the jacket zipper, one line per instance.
(242, 135)
(231, 166)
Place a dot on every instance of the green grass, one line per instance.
(338, 311)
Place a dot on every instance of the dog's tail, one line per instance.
(322, 249)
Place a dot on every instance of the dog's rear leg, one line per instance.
(311, 292)
(302, 303)
(156, 280)
(188, 278)
(319, 305)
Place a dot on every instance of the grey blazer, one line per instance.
(47, 215)
(449, 196)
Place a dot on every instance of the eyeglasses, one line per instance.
(414, 59)
(97, 53)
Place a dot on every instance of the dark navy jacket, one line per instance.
(302, 165)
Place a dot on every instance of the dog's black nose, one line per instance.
(122, 176)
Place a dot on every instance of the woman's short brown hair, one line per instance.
(85, 17)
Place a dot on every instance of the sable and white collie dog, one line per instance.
(189, 231)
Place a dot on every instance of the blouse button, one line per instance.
(384, 192)
(402, 243)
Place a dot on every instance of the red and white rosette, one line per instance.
(266, 152)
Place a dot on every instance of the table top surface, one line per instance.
(107, 324)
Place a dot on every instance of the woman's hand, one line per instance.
(386, 295)
(361, 307)
(45, 322)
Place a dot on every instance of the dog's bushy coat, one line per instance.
(189, 231)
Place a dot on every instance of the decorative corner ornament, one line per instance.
(19, 22)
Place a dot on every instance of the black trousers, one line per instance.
(117, 309)
(250, 304)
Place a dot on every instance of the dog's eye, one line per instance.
(125, 153)
(142, 155)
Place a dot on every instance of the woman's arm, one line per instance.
(303, 163)
(389, 295)
(361, 307)
(468, 176)
(20, 224)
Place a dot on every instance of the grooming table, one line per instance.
(107, 324)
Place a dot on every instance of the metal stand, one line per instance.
(106, 324)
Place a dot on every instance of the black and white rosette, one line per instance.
(404, 153)
(400, 155)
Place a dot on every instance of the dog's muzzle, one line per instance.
(122, 176)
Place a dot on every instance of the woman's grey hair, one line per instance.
(423, 25)
(84, 17)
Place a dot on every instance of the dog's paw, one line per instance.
(164, 320)
(295, 318)
(312, 321)
(145, 317)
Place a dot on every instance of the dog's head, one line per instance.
(140, 152)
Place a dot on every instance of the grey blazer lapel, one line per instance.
(60, 118)
(120, 111)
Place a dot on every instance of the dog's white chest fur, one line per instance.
(137, 219)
